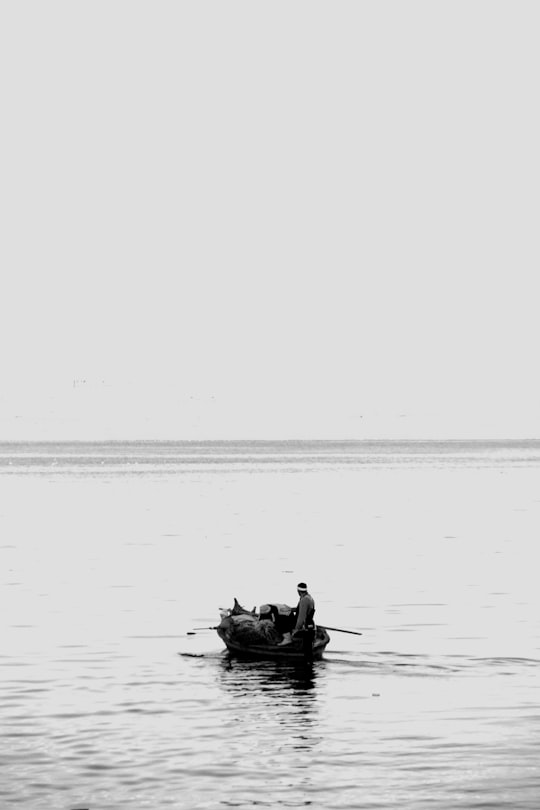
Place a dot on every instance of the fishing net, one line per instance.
(251, 630)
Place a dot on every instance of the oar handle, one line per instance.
(340, 630)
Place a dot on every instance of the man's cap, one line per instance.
(302, 586)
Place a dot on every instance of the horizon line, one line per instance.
(284, 440)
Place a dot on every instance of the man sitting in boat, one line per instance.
(304, 626)
(282, 616)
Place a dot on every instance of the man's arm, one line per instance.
(302, 614)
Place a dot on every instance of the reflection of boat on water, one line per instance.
(247, 635)
(288, 682)
(275, 701)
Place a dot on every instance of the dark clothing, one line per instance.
(305, 626)
(307, 637)
(304, 613)
(284, 621)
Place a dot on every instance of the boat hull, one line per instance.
(288, 652)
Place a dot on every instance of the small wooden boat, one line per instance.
(246, 635)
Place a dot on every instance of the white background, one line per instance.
(274, 219)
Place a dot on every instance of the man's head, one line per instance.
(301, 588)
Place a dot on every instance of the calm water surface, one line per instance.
(112, 555)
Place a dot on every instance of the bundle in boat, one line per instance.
(247, 629)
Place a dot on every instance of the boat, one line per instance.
(247, 635)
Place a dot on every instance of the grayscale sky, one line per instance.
(269, 219)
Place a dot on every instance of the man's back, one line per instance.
(305, 611)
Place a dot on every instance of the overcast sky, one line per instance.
(269, 219)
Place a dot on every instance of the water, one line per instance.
(112, 554)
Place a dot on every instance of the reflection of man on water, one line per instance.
(304, 626)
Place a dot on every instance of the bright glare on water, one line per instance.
(112, 555)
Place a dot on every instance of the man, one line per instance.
(304, 627)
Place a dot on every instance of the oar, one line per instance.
(340, 630)
(190, 633)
